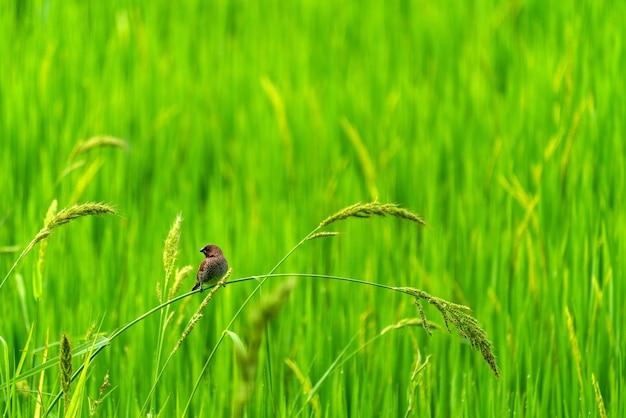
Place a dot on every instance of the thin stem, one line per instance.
(114, 335)
(241, 308)
(26, 250)
(320, 276)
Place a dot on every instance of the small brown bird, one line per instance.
(212, 268)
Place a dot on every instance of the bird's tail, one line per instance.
(196, 286)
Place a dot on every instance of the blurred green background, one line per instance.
(501, 123)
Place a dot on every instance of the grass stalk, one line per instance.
(170, 255)
(190, 326)
(41, 380)
(248, 359)
(105, 342)
(456, 314)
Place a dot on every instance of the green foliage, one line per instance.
(501, 123)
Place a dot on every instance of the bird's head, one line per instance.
(211, 250)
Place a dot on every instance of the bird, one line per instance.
(212, 268)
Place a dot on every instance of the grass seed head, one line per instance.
(77, 211)
(65, 364)
(365, 210)
(97, 142)
(459, 316)
(170, 251)
(322, 234)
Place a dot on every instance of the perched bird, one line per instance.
(212, 268)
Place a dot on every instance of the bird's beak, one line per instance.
(202, 250)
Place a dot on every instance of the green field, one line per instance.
(502, 124)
